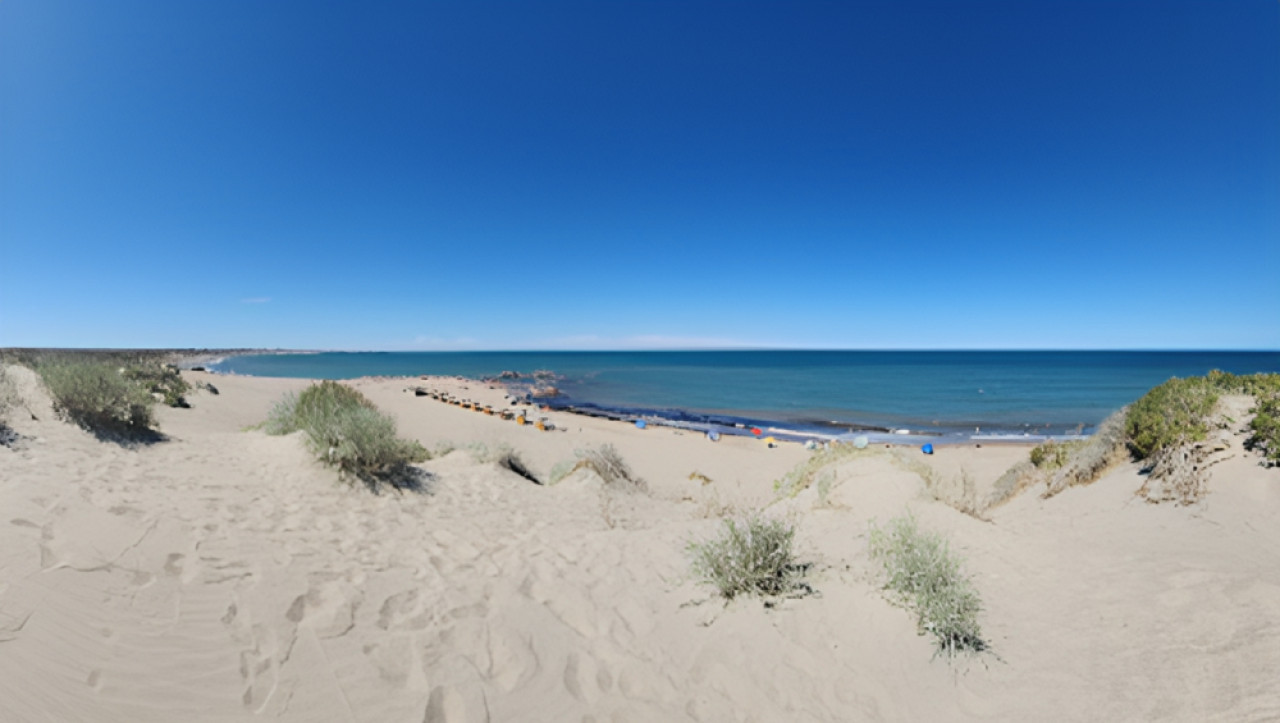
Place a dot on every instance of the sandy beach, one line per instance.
(224, 574)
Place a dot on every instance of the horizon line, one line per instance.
(301, 350)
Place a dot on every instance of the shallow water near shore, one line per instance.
(982, 394)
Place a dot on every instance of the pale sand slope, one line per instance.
(224, 575)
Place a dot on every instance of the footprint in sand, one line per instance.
(403, 611)
(512, 659)
(173, 564)
(585, 677)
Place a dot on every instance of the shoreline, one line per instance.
(945, 397)
(731, 424)
(720, 425)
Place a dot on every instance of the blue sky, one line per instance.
(512, 175)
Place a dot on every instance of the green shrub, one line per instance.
(925, 577)
(346, 430)
(1171, 414)
(1266, 429)
(1049, 455)
(161, 379)
(8, 394)
(1258, 385)
(751, 556)
(98, 396)
(8, 398)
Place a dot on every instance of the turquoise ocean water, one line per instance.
(931, 393)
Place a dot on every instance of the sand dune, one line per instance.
(223, 574)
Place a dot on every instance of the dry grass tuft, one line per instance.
(609, 465)
(808, 472)
(1087, 460)
(923, 576)
(752, 556)
(959, 493)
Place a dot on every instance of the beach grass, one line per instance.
(751, 556)
(805, 474)
(924, 576)
(98, 396)
(8, 399)
(505, 457)
(606, 462)
(561, 470)
(346, 430)
(1083, 462)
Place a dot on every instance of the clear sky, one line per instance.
(532, 175)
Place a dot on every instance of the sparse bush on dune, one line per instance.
(98, 396)
(8, 394)
(1167, 430)
(561, 470)
(160, 379)
(1172, 414)
(923, 575)
(609, 465)
(8, 398)
(346, 430)
(503, 456)
(1083, 462)
(1050, 455)
(959, 492)
(1010, 484)
(806, 473)
(1266, 429)
(751, 556)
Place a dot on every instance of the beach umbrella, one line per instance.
(713, 435)
(860, 441)
(640, 424)
(770, 441)
(927, 449)
(757, 431)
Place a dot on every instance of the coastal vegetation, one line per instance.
(816, 468)
(1266, 429)
(1082, 462)
(99, 396)
(8, 398)
(346, 430)
(1052, 455)
(1173, 413)
(505, 457)
(1168, 430)
(109, 393)
(611, 467)
(751, 556)
(924, 576)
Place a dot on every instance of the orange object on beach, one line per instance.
(520, 420)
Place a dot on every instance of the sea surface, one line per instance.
(966, 394)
